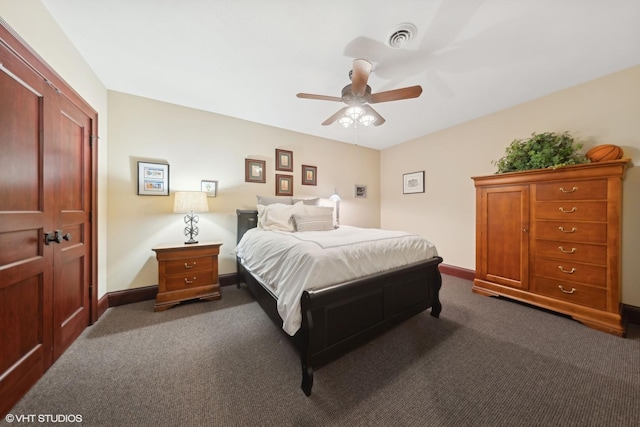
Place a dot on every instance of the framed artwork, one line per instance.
(209, 187)
(413, 182)
(284, 185)
(153, 179)
(284, 160)
(254, 170)
(309, 175)
(360, 191)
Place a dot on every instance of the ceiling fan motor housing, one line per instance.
(348, 97)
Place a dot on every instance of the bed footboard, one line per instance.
(336, 320)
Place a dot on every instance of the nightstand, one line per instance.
(187, 272)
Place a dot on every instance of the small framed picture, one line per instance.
(284, 185)
(254, 170)
(360, 191)
(284, 160)
(309, 175)
(153, 179)
(413, 182)
(209, 187)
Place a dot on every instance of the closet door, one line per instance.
(46, 255)
(68, 169)
(26, 263)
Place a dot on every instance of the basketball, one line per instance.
(601, 153)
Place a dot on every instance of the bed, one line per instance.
(330, 319)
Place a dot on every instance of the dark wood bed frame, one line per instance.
(339, 318)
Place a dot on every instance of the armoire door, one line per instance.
(46, 188)
(502, 247)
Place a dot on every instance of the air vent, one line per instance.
(401, 35)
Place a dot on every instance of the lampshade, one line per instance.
(335, 196)
(190, 201)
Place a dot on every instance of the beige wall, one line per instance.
(31, 20)
(199, 145)
(606, 110)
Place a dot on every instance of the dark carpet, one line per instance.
(485, 362)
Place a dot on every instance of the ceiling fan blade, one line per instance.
(360, 76)
(396, 94)
(334, 117)
(320, 97)
(379, 119)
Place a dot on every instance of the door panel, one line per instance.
(70, 167)
(25, 263)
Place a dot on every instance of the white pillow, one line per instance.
(323, 222)
(277, 216)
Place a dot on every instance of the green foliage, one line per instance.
(542, 150)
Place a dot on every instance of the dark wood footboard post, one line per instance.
(436, 308)
(304, 346)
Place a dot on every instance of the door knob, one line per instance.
(52, 237)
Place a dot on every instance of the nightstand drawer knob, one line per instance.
(189, 266)
(573, 270)
(188, 282)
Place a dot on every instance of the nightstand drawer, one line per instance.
(572, 210)
(187, 265)
(574, 293)
(571, 251)
(188, 280)
(573, 190)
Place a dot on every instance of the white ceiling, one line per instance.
(249, 58)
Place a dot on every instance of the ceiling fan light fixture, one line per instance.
(345, 121)
(367, 120)
(354, 112)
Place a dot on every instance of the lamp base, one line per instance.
(190, 242)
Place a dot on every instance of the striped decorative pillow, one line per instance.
(313, 222)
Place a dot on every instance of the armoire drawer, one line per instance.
(572, 251)
(574, 293)
(572, 210)
(571, 271)
(572, 231)
(186, 265)
(572, 190)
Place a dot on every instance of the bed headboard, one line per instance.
(247, 219)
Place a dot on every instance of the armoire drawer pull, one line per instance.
(566, 291)
(189, 266)
(568, 191)
(573, 230)
(563, 210)
(573, 270)
(573, 250)
(188, 282)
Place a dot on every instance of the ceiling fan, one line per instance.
(358, 96)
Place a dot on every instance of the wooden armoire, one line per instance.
(47, 217)
(551, 238)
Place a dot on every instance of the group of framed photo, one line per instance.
(255, 172)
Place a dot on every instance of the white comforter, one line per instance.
(289, 263)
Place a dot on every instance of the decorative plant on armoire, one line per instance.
(540, 151)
